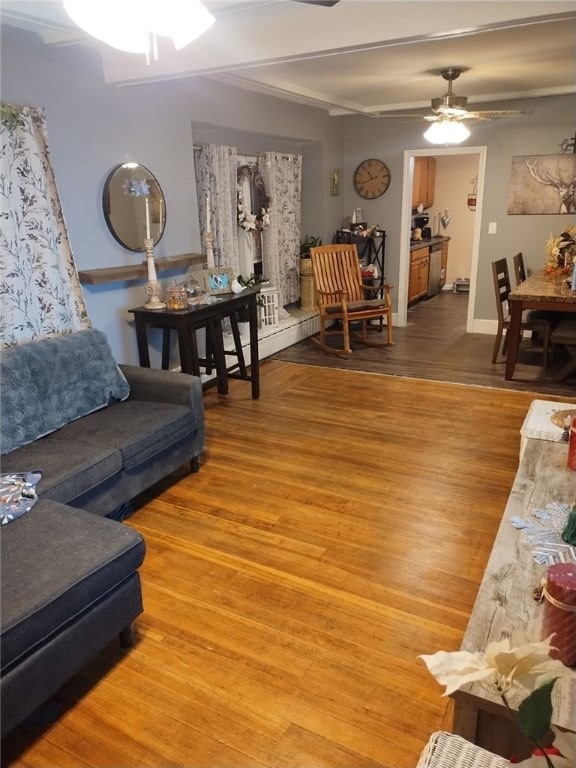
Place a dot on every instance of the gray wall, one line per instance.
(93, 126)
(538, 133)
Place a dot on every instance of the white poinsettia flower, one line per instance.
(500, 665)
(458, 668)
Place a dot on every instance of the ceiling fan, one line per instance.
(451, 107)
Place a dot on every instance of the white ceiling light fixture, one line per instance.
(447, 131)
(132, 25)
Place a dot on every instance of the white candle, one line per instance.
(147, 218)
(208, 212)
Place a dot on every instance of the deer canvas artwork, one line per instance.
(543, 184)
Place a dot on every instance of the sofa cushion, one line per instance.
(69, 469)
(48, 383)
(139, 429)
(56, 562)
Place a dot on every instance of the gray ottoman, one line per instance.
(70, 584)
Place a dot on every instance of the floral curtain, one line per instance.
(241, 200)
(41, 293)
(216, 190)
(281, 250)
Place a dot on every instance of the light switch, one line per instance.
(492, 228)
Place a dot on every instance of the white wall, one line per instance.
(454, 176)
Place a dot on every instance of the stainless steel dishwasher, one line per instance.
(435, 270)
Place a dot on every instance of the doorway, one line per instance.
(404, 263)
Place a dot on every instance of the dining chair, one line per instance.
(519, 268)
(344, 298)
(539, 325)
(565, 335)
(532, 315)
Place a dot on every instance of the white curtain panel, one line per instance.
(216, 184)
(41, 292)
(281, 247)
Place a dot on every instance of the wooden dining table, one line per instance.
(549, 292)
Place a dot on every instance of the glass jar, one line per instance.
(176, 297)
(193, 291)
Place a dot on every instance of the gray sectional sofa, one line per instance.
(100, 434)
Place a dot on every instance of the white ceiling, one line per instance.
(360, 56)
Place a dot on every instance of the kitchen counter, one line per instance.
(414, 244)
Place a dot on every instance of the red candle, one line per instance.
(572, 443)
(559, 616)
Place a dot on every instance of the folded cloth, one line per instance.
(17, 494)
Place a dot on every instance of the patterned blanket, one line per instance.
(17, 494)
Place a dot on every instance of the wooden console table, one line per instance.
(209, 316)
(505, 607)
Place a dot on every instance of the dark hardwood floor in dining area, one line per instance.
(338, 528)
(434, 345)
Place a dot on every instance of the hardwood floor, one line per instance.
(338, 528)
(434, 345)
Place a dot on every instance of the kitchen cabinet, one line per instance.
(444, 263)
(424, 181)
(418, 277)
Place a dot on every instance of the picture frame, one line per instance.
(217, 281)
(542, 184)
(335, 182)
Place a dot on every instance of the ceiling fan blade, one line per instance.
(397, 114)
(488, 114)
(327, 3)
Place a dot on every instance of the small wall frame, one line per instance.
(335, 182)
(217, 281)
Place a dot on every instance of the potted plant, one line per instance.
(242, 314)
(309, 242)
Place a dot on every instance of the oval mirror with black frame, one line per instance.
(134, 206)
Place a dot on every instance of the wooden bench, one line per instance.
(505, 607)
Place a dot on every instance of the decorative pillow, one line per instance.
(48, 383)
(17, 494)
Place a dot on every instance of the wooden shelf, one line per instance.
(138, 271)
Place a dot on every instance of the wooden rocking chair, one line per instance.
(343, 298)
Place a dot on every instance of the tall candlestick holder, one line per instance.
(209, 242)
(153, 287)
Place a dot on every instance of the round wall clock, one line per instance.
(371, 178)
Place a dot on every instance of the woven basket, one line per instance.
(447, 750)
(307, 289)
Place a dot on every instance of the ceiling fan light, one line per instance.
(118, 24)
(446, 132)
(181, 20)
(129, 24)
